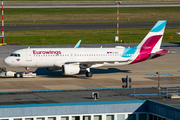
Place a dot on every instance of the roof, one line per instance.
(84, 95)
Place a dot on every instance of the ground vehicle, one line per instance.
(4, 73)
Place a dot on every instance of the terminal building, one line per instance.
(88, 104)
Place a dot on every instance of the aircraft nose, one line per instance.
(7, 61)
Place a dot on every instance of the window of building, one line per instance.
(86, 117)
(150, 117)
(64, 118)
(155, 117)
(131, 116)
(159, 118)
(97, 117)
(75, 117)
(109, 117)
(51, 118)
(142, 116)
(28, 118)
(40, 118)
(121, 117)
(18, 119)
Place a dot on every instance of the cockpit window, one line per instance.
(15, 55)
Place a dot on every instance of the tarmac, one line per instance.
(92, 5)
(142, 74)
(54, 87)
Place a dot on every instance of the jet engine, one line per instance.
(70, 69)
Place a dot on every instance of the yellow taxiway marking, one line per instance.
(160, 64)
(177, 78)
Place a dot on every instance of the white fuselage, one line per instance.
(50, 57)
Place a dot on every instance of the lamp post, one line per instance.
(158, 73)
(117, 37)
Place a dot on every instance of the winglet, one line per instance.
(77, 45)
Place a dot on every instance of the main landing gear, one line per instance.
(88, 73)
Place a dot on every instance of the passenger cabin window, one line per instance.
(15, 55)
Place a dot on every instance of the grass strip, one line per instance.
(88, 36)
(93, 14)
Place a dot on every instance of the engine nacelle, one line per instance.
(70, 69)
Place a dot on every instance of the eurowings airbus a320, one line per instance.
(75, 60)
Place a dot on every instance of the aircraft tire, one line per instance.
(88, 74)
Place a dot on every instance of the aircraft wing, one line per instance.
(88, 64)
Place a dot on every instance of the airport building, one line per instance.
(106, 104)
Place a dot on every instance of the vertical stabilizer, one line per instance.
(151, 43)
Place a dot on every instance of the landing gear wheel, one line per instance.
(88, 74)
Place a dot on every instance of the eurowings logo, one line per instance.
(18, 59)
(46, 52)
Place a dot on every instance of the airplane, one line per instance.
(75, 60)
(177, 33)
